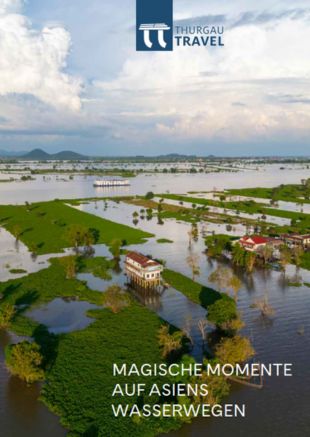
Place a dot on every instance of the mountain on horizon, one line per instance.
(41, 155)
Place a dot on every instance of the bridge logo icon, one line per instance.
(160, 28)
(154, 28)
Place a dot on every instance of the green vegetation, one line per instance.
(7, 313)
(305, 261)
(85, 355)
(193, 290)
(196, 292)
(98, 266)
(115, 299)
(222, 311)
(45, 227)
(25, 361)
(41, 287)
(163, 241)
(216, 244)
(88, 356)
(234, 350)
(17, 271)
(298, 193)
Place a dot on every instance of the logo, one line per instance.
(154, 31)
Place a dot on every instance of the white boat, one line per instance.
(111, 183)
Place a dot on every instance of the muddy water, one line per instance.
(20, 412)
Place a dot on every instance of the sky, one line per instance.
(70, 78)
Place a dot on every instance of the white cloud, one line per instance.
(199, 86)
(33, 61)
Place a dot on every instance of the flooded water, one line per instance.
(218, 210)
(20, 412)
(51, 187)
(275, 340)
(62, 316)
(280, 409)
(14, 255)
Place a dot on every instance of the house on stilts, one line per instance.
(143, 271)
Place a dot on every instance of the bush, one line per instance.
(25, 361)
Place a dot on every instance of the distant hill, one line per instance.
(41, 155)
(8, 154)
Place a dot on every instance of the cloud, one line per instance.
(33, 61)
(250, 17)
(223, 93)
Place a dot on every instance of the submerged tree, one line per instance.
(250, 260)
(115, 298)
(169, 342)
(233, 350)
(193, 263)
(25, 361)
(235, 284)
(285, 256)
(115, 248)
(264, 307)
(7, 313)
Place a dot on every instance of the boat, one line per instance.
(111, 183)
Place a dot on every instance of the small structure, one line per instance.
(143, 271)
(293, 240)
(111, 183)
(253, 243)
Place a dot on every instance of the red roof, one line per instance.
(257, 239)
(143, 260)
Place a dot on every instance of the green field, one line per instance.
(44, 226)
(196, 292)
(287, 193)
(249, 207)
(79, 383)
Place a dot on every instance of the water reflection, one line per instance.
(62, 316)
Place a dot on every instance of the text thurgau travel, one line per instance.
(212, 41)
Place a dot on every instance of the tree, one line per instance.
(297, 253)
(216, 244)
(250, 259)
(238, 255)
(115, 248)
(234, 350)
(95, 234)
(222, 311)
(70, 265)
(264, 307)
(285, 256)
(16, 231)
(266, 253)
(235, 285)
(220, 277)
(149, 195)
(7, 312)
(115, 298)
(194, 231)
(78, 235)
(25, 361)
(193, 262)
(169, 342)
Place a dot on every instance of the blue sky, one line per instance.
(70, 78)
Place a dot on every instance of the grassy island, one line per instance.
(43, 226)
